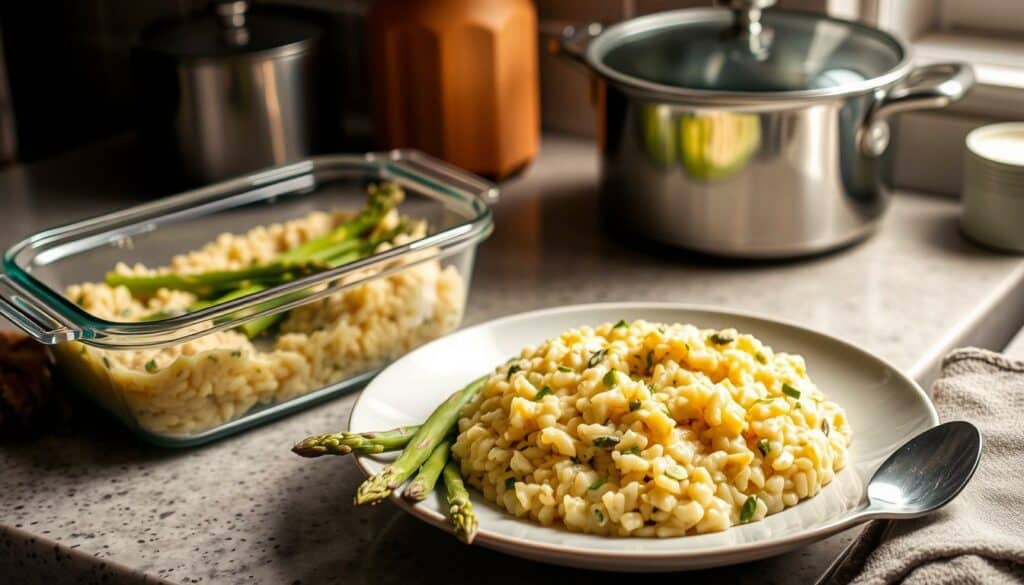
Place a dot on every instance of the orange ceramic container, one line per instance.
(458, 79)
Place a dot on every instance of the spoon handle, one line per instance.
(873, 533)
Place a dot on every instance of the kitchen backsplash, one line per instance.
(86, 94)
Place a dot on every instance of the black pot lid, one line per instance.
(707, 54)
(231, 29)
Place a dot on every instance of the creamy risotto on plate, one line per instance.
(649, 429)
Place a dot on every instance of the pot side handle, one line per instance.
(572, 42)
(927, 87)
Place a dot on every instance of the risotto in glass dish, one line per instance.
(652, 430)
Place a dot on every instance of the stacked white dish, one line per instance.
(993, 193)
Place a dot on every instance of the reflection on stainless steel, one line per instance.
(774, 183)
(710, 146)
(228, 92)
(241, 116)
(926, 473)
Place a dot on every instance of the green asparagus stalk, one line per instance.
(257, 326)
(358, 443)
(426, 478)
(460, 509)
(381, 199)
(211, 283)
(433, 431)
(235, 294)
(297, 262)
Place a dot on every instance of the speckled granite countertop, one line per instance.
(96, 504)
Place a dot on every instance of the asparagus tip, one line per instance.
(375, 488)
(318, 445)
(464, 521)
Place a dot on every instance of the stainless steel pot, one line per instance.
(228, 92)
(741, 134)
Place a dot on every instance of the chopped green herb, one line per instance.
(542, 393)
(151, 366)
(510, 482)
(634, 450)
(611, 378)
(606, 442)
(634, 405)
(719, 338)
(748, 510)
(575, 459)
(765, 401)
(652, 388)
(760, 357)
(564, 369)
(597, 484)
(621, 323)
(790, 391)
(599, 515)
(825, 428)
(665, 409)
(650, 360)
(676, 472)
(764, 446)
(106, 362)
(512, 370)
(796, 406)
(597, 357)
(236, 353)
(661, 330)
(212, 358)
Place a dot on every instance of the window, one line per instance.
(989, 34)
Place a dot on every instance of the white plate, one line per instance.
(885, 409)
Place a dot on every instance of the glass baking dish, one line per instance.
(181, 377)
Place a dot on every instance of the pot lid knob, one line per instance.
(748, 14)
(232, 15)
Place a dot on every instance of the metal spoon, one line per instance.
(923, 475)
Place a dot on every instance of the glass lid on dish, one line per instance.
(183, 267)
(747, 54)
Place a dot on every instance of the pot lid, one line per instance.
(742, 56)
(230, 28)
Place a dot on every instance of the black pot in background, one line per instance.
(232, 90)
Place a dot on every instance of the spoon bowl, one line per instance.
(926, 473)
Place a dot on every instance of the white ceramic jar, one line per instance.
(993, 191)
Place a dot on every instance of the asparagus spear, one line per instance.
(210, 283)
(426, 477)
(294, 263)
(258, 325)
(359, 443)
(433, 431)
(381, 199)
(460, 509)
(235, 294)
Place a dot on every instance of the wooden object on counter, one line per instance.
(457, 79)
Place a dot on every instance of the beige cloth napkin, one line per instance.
(979, 537)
